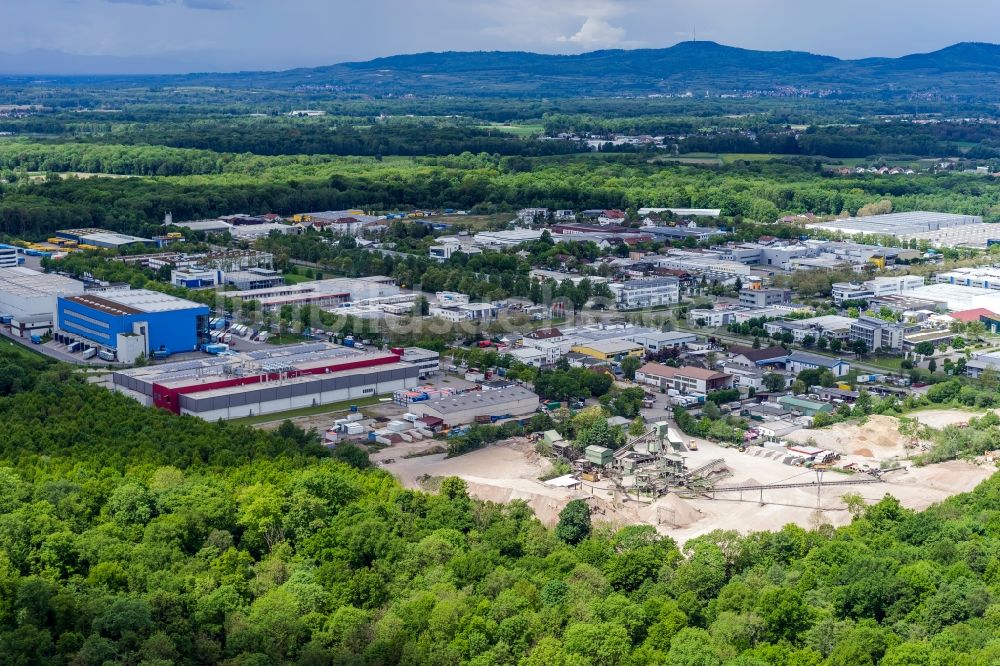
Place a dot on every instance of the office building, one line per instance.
(877, 333)
(646, 293)
(764, 297)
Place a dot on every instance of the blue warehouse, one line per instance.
(134, 322)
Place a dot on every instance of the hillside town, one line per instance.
(661, 320)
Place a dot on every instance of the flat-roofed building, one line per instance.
(29, 298)
(266, 381)
(609, 350)
(686, 379)
(646, 293)
(101, 238)
(464, 408)
(134, 322)
(897, 224)
(877, 333)
(8, 257)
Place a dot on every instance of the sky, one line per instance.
(160, 36)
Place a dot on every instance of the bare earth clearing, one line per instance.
(511, 470)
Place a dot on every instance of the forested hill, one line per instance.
(970, 70)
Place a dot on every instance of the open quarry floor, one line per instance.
(511, 470)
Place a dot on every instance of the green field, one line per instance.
(516, 130)
(295, 278)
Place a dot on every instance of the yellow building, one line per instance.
(609, 350)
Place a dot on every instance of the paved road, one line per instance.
(51, 349)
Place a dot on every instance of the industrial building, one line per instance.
(205, 226)
(687, 379)
(681, 233)
(134, 322)
(957, 297)
(897, 224)
(465, 312)
(266, 382)
(609, 350)
(646, 293)
(681, 212)
(463, 408)
(874, 288)
(29, 298)
(101, 238)
(510, 238)
(656, 341)
(709, 264)
(330, 293)
(8, 256)
(976, 236)
(198, 277)
(984, 277)
(798, 361)
(826, 326)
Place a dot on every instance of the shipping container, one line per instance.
(90, 352)
(106, 355)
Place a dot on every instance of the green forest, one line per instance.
(223, 183)
(130, 536)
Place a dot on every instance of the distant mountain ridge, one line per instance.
(967, 69)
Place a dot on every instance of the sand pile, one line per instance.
(878, 438)
(675, 512)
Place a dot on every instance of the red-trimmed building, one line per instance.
(266, 382)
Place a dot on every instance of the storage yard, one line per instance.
(752, 489)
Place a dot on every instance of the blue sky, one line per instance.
(186, 35)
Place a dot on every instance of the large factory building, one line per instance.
(134, 322)
(266, 382)
(29, 298)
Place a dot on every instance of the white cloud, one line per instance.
(190, 4)
(596, 32)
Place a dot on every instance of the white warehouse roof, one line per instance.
(897, 224)
(27, 283)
